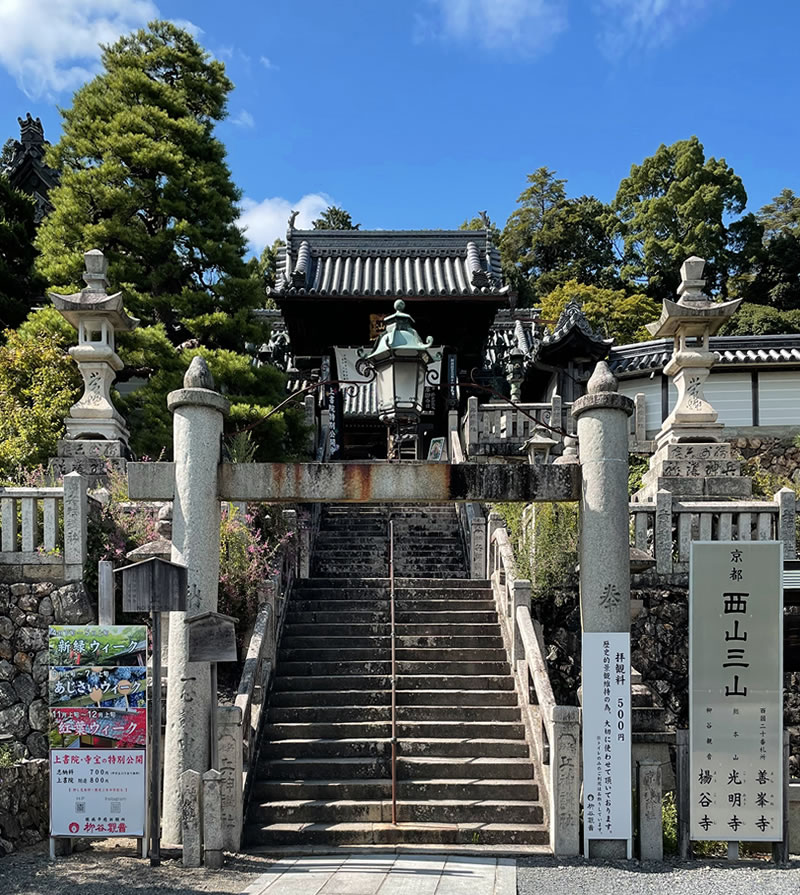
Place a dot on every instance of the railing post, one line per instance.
(663, 532)
(76, 511)
(310, 414)
(555, 415)
(472, 426)
(565, 781)
(520, 596)
(8, 507)
(290, 520)
(477, 538)
(640, 418)
(787, 515)
(682, 793)
(304, 549)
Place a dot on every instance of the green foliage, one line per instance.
(676, 204)
(38, 384)
(669, 823)
(760, 320)
(334, 218)
(613, 312)
(512, 518)
(7, 758)
(265, 268)
(781, 216)
(20, 286)
(556, 538)
(551, 239)
(144, 179)
(637, 467)
(477, 223)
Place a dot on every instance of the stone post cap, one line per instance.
(96, 269)
(692, 282)
(212, 775)
(602, 393)
(198, 389)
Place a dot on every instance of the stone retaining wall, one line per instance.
(26, 611)
(24, 800)
(775, 455)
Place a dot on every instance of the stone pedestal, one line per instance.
(197, 430)
(92, 458)
(695, 471)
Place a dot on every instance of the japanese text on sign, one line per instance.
(736, 690)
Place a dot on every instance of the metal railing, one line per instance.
(394, 672)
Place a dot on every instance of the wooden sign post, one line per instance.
(212, 638)
(154, 586)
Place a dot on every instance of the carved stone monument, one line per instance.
(96, 433)
(690, 459)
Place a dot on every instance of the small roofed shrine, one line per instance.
(335, 288)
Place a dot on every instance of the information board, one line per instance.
(736, 690)
(606, 738)
(98, 730)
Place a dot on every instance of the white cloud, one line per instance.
(631, 25)
(523, 26)
(243, 119)
(267, 63)
(50, 46)
(264, 222)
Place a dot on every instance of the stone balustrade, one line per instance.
(553, 730)
(43, 531)
(471, 520)
(503, 429)
(666, 527)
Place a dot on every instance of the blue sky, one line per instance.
(418, 113)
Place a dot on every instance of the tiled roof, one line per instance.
(389, 262)
(573, 318)
(730, 350)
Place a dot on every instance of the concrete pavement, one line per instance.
(388, 875)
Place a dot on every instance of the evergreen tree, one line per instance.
(144, 179)
(20, 286)
(675, 204)
(334, 218)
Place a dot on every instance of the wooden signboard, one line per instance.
(212, 637)
(154, 585)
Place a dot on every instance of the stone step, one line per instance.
(377, 642)
(324, 768)
(293, 653)
(461, 767)
(353, 747)
(383, 682)
(383, 665)
(464, 699)
(408, 790)
(460, 629)
(400, 582)
(383, 712)
(309, 604)
(440, 729)
(314, 698)
(342, 594)
(389, 834)
(310, 629)
(439, 811)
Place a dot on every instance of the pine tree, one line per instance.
(20, 287)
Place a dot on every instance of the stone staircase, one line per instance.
(464, 771)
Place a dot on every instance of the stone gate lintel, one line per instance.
(407, 482)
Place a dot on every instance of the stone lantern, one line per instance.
(93, 420)
(539, 445)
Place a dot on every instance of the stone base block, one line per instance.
(91, 447)
(684, 432)
(713, 450)
(709, 488)
(693, 468)
(108, 429)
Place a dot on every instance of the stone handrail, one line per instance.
(471, 520)
(666, 527)
(502, 429)
(553, 730)
(45, 527)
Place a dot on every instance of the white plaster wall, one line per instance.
(779, 398)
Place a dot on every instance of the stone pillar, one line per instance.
(230, 766)
(197, 426)
(787, 514)
(565, 781)
(76, 514)
(191, 826)
(651, 825)
(604, 549)
(477, 545)
(212, 819)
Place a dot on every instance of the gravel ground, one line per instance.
(108, 867)
(544, 876)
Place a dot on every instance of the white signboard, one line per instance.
(606, 738)
(736, 690)
(97, 792)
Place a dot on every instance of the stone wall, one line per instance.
(776, 455)
(26, 611)
(24, 799)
